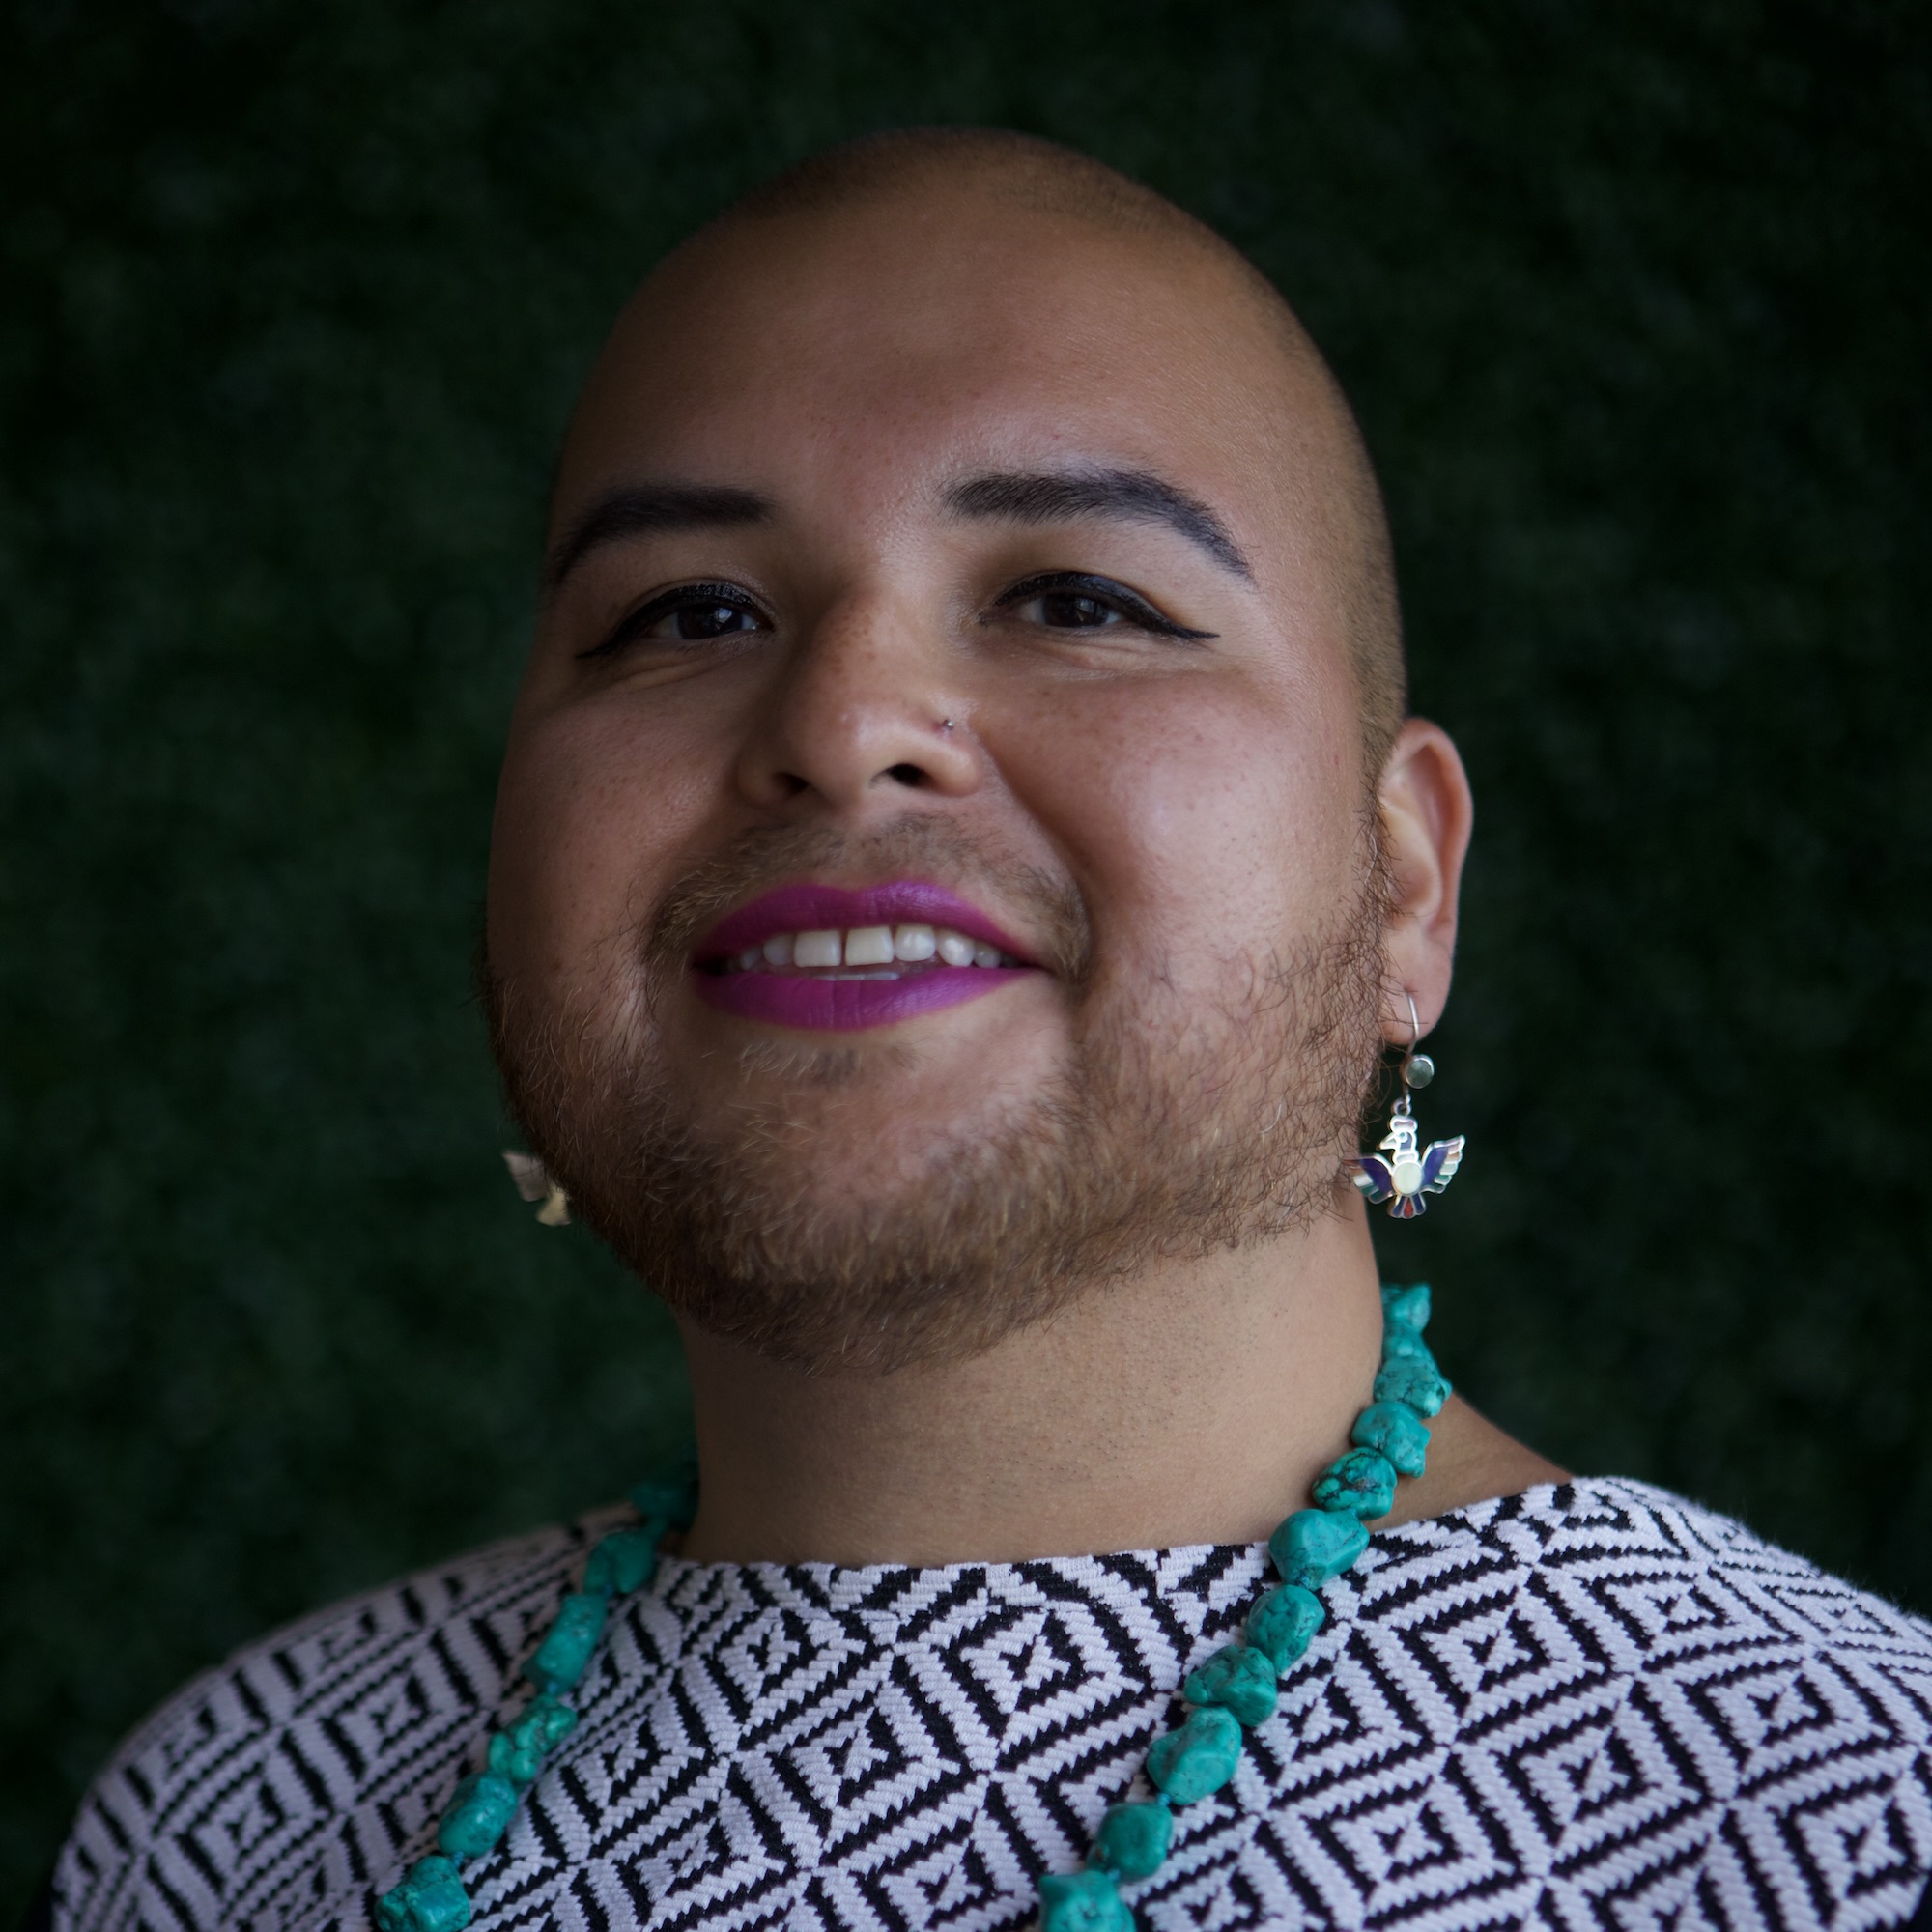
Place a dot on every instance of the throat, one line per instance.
(1192, 1404)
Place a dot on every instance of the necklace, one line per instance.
(1233, 1690)
(432, 1897)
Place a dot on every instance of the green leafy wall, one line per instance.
(292, 299)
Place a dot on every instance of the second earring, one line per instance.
(1410, 1171)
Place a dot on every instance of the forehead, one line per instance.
(875, 352)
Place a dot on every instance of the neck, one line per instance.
(1193, 1404)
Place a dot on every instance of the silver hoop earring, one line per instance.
(1410, 1172)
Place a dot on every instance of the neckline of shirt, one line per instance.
(850, 1584)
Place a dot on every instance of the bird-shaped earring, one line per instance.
(1410, 1172)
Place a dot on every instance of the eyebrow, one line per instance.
(1134, 494)
(646, 509)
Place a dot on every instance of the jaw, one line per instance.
(916, 1192)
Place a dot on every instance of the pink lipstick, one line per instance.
(831, 958)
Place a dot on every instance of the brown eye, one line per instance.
(1066, 600)
(1070, 610)
(692, 613)
(695, 622)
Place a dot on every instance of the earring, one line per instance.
(1409, 1174)
(534, 1184)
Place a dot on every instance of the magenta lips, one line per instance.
(805, 999)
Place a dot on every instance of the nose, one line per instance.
(861, 714)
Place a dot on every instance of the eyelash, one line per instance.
(681, 597)
(1130, 605)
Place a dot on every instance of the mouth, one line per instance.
(831, 957)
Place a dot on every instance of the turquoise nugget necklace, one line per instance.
(1233, 1690)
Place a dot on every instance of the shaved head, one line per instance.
(1344, 501)
(1020, 170)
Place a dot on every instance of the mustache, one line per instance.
(918, 846)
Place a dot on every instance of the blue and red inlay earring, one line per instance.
(1410, 1171)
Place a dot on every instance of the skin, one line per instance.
(850, 364)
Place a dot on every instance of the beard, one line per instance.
(1174, 1127)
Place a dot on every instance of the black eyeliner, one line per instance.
(661, 605)
(1104, 589)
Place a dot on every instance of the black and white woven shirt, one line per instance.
(1589, 1706)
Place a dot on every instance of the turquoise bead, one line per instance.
(1362, 1482)
(476, 1817)
(1133, 1839)
(431, 1898)
(1282, 1623)
(1406, 1307)
(563, 1653)
(1199, 1757)
(623, 1562)
(1397, 1431)
(518, 1750)
(1414, 1380)
(1082, 1901)
(1314, 1545)
(1239, 1680)
(669, 1498)
(1404, 1342)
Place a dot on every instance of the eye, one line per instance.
(692, 613)
(691, 622)
(1071, 611)
(1065, 600)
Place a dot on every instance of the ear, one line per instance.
(1427, 815)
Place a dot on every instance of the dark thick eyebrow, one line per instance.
(642, 509)
(1048, 498)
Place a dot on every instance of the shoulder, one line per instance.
(1673, 1577)
(1656, 1709)
(313, 1752)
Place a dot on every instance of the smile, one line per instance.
(885, 949)
(829, 957)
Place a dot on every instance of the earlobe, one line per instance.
(1427, 813)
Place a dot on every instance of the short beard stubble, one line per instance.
(1170, 1132)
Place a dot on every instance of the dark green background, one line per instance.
(1631, 297)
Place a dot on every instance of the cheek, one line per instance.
(1204, 824)
(590, 812)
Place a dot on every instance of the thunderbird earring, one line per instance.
(1409, 1174)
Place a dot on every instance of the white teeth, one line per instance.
(870, 946)
(819, 949)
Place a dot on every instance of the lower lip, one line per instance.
(847, 1005)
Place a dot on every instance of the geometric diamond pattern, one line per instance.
(1589, 1708)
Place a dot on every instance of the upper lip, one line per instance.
(815, 908)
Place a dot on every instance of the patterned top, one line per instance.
(1591, 1707)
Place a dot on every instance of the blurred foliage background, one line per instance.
(293, 302)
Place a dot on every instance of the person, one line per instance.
(962, 870)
